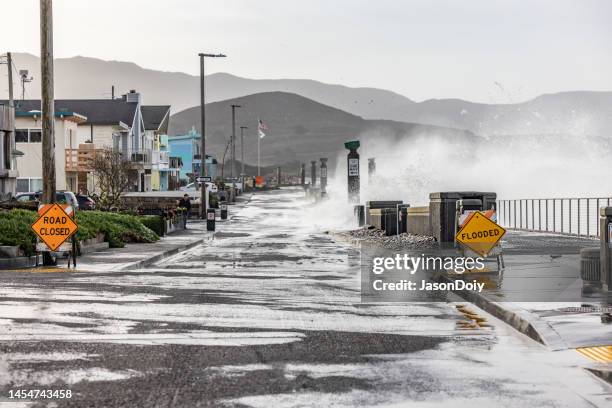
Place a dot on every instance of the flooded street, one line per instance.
(267, 314)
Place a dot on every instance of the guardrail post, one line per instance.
(539, 214)
(554, 220)
(569, 215)
(588, 217)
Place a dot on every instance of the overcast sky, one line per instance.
(480, 50)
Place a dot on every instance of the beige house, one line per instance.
(28, 137)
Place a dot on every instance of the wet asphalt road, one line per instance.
(268, 314)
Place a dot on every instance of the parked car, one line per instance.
(191, 187)
(85, 202)
(62, 197)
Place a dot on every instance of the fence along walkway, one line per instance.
(571, 216)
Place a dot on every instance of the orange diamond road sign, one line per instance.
(480, 234)
(54, 226)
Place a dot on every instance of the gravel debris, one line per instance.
(374, 235)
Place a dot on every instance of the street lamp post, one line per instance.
(203, 126)
(233, 144)
(242, 128)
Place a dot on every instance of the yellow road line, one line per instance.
(42, 270)
(474, 320)
(600, 354)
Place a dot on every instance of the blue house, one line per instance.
(187, 147)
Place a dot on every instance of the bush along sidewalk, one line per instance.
(118, 229)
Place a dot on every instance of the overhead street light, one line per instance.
(203, 202)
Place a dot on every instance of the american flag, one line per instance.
(261, 127)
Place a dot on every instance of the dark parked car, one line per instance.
(85, 202)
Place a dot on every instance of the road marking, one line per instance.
(599, 354)
(42, 270)
(475, 321)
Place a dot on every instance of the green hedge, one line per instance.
(154, 222)
(118, 229)
(15, 229)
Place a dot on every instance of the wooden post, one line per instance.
(48, 111)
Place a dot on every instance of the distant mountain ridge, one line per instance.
(300, 129)
(577, 112)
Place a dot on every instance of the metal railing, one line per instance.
(571, 216)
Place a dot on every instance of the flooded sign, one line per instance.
(480, 234)
(54, 226)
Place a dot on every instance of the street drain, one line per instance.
(586, 309)
(599, 354)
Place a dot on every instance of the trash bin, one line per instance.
(223, 207)
(590, 269)
(210, 219)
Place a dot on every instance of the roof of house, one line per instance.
(155, 117)
(97, 111)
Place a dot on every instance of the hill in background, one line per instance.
(301, 129)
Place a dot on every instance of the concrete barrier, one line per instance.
(373, 205)
(384, 219)
(442, 210)
(359, 211)
(402, 218)
(417, 221)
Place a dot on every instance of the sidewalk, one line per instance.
(540, 294)
(134, 256)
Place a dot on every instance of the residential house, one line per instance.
(187, 147)
(116, 124)
(156, 120)
(8, 167)
(28, 140)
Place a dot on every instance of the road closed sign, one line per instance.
(54, 226)
(480, 234)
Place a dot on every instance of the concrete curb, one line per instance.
(521, 320)
(170, 252)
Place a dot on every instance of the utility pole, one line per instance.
(9, 61)
(48, 110)
(203, 203)
(233, 141)
(242, 128)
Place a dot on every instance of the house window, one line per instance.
(28, 136)
(26, 185)
(35, 135)
(21, 135)
(23, 185)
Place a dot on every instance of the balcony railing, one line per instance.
(142, 157)
(81, 159)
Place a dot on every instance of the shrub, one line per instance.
(154, 222)
(15, 229)
(118, 229)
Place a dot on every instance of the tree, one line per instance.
(113, 176)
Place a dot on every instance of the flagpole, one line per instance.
(258, 154)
